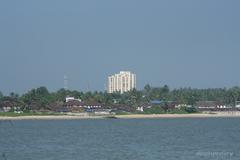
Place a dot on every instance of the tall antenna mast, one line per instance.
(105, 87)
(65, 82)
(88, 86)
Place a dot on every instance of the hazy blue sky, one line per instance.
(181, 43)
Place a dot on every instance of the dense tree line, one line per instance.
(41, 98)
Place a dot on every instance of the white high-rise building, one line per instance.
(121, 82)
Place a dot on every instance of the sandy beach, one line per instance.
(77, 116)
(198, 115)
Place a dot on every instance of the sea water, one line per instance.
(121, 139)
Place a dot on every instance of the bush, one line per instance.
(154, 110)
(190, 109)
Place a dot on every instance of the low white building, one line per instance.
(140, 109)
(72, 98)
(237, 104)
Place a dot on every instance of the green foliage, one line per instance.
(122, 113)
(183, 110)
(1, 95)
(190, 110)
(147, 88)
(154, 110)
(37, 98)
(41, 98)
(13, 114)
(177, 111)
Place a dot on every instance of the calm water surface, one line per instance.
(121, 139)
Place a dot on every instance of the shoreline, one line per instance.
(194, 115)
(130, 116)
